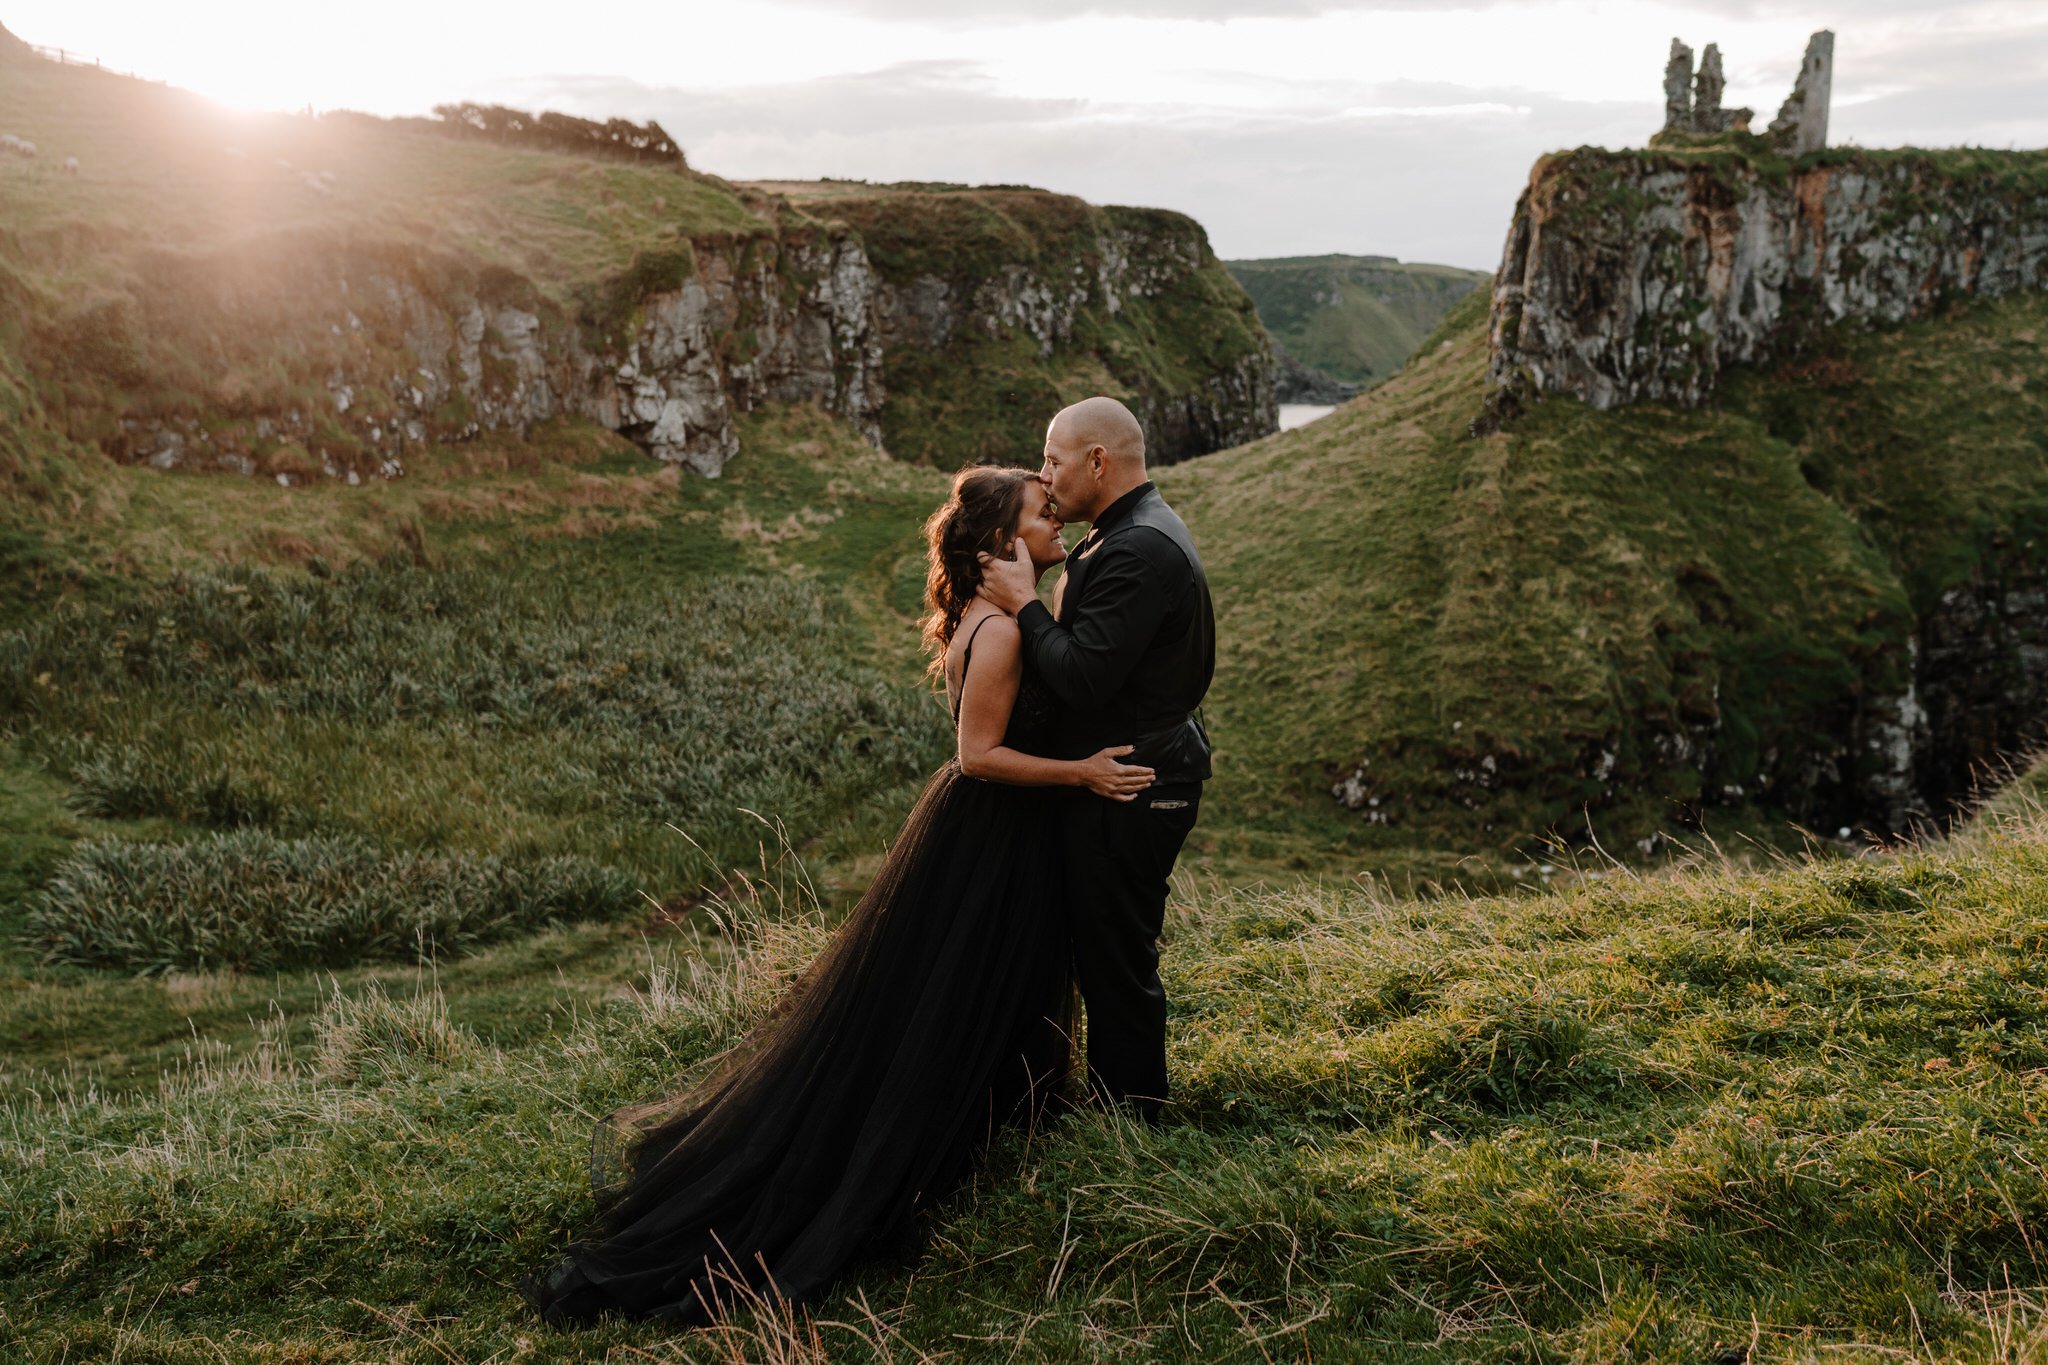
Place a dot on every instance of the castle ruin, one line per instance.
(1692, 100)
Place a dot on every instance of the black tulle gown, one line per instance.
(942, 1009)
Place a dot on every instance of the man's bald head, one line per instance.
(1094, 454)
(1100, 422)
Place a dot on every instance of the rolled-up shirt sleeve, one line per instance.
(1128, 595)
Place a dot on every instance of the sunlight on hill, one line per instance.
(161, 168)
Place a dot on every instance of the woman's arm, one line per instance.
(988, 692)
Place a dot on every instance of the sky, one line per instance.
(1294, 127)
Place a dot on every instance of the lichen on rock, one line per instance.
(1634, 275)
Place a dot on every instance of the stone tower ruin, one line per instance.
(1692, 99)
(1802, 122)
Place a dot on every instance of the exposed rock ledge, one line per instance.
(1642, 275)
(413, 346)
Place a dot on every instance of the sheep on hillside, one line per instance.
(9, 142)
(27, 148)
(71, 165)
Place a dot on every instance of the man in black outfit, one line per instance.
(1130, 654)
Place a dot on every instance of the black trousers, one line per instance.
(1118, 856)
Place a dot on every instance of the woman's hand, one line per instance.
(1104, 776)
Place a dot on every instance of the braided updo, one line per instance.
(981, 513)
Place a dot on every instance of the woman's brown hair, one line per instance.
(981, 513)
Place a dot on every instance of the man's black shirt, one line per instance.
(1134, 649)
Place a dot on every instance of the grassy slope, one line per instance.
(163, 170)
(1789, 1108)
(1581, 582)
(113, 281)
(566, 516)
(1793, 1110)
(1357, 318)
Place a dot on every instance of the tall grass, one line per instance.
(1716, 1114)
(254, 902)
(429, 708)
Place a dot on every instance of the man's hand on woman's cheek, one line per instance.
(1009, 583)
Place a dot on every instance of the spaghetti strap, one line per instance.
(966, 658)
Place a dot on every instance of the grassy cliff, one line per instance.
(321, 297)
(1355, 318)
(1045, 300)
(1649, 615)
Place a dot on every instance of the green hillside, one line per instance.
(358, 844)
(1777, 1115)
(1355, 318)
(289, 294)
(1502, 636)
(1772, 1108)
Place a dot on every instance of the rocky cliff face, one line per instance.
(1730, 275)
(388, 349)
(1642, 275)
(314, 358)
(999, 306)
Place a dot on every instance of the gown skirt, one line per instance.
(942, 1009)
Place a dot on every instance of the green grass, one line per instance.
(1356, 318)
(1593, 584)
(1793, 1110)
(160, 173)
(511, 654)
(245, 901)
(1917, 180)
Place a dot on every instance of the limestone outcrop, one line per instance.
(410, 347)
(1299, 383)
(1041, 299)
(1641, 275)
(414, 348)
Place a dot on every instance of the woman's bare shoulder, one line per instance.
(995, 625)
(987, 635)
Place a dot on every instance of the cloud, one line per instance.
(1273, 165)
(1424, 172)
(906, 98)
(969, 13)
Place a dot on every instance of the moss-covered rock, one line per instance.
(1640, 275)
(1002, 304)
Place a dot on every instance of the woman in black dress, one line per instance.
(941, 1009)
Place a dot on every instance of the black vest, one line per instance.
(1154, 708)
